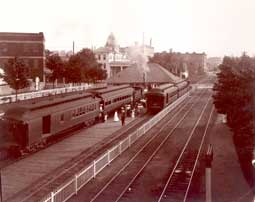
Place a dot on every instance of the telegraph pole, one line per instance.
(208, 173)
(73, 47)
(1, 194)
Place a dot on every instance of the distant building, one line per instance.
(197, 61)
(111, 57)
(114, 58)
(64, 55)
(213, 63)
(187, 64)
(27, 46)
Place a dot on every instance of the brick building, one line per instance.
(27, 46)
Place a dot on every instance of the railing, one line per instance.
(71, 187)
(41, 93)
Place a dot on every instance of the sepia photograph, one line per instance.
(127, 101)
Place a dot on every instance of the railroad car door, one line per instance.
(23, 134)
(46, 124)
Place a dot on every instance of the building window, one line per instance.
(104, 57)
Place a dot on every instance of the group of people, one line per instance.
(124, 112)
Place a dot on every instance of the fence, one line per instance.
(71, 187)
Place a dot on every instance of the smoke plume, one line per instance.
(137, 56)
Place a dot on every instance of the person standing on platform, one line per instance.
(123, 116)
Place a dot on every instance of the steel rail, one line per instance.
(182, 152)
(144, 146)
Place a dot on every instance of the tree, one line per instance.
(234, 96)
(173, 62)
(83, 67)
(234, 93)
(73, 70)
(96, 73)
(15, 74)
(87, 62)
(55, 63)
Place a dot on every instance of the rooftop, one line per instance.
(135, 74)
(21, 36)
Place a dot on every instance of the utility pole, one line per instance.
(73, 47)
(208, 173)
(1, 194)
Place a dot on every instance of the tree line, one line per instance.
(234, 96)
(177, 63)
(234, 93)
(80, 67)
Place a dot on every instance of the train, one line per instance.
(31, 123)
(159, 97)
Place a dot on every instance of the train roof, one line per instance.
(27, 112)
(182, 84)
(110, 89)
(165, 86)
(56, 100)
(113, 91)
(44, 99)
(162, 89)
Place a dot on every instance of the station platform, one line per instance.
(21, 174)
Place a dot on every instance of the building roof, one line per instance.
(13, 36)
(103, 50)
(111, 42)
(134, 74)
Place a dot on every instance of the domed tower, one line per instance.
(111, 43)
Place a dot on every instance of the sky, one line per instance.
(216, 27)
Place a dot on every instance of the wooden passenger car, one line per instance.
(160, 97)
(183, 87)
(31, 123)
(114, 97)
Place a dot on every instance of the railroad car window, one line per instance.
(46, 124)
(62, 117)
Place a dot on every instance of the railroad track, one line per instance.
(59, 175)
(178, 184)
(119, 185)
(74, 168)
